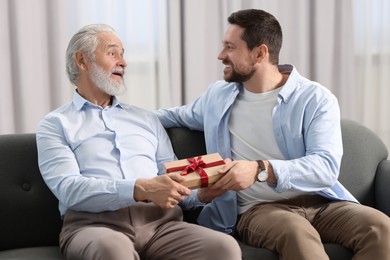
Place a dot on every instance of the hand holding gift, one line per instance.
(163, 190)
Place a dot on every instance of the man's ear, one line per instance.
(262, 51)
(81, 60)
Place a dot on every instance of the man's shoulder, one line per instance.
(142, 114)
(63, 109)
(137, 110)
(222, 86)
(55, 117)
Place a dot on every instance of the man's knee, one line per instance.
(223, 246)
(113, 245)
(378, 229)
(100, 246)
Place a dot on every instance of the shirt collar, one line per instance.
(291, 83)
(79, 101)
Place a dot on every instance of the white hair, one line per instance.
(86, 41)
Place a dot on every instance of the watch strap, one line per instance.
(261, 165)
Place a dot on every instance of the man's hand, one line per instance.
(206, 195)
(163, 190)
(238, 175)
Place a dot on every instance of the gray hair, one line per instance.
(86, 41)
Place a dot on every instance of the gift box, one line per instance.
(199, 172)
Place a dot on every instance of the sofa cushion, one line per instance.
(39, 253)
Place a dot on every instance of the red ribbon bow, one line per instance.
(197, 164)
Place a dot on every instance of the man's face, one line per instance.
(103, 80)
(108, 69)
(235, 55)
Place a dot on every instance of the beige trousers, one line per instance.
(142, 231)
(296, 228)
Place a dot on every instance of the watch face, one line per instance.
(262, 176)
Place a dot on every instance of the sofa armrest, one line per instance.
(382, 184)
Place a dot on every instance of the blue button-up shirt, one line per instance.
(306, 123)
(90, 157)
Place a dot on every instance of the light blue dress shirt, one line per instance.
(306, 123)
(90, 157)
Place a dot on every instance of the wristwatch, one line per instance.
(262, 175)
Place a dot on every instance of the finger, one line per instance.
(176, 177)
(229, 186)
(174, 203)
(220, 183)
(226, 167)
(180, 196)
(182, 190)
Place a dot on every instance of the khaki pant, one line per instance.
(142, 231)
(296, 228)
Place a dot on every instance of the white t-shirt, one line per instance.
(252, 138)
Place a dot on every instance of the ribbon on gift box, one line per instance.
(198, 165)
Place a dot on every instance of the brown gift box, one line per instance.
(199, 171)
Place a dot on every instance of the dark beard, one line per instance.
(238, 77)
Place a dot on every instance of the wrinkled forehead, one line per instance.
(108, 40)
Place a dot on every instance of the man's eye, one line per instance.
(228, 47)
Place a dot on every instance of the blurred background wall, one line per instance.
(171, 48)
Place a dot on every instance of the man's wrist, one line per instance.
(140, 190)
(201, 196)
(262, 174)
(271, 175)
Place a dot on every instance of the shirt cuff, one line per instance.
(125, 189)
(191, 201)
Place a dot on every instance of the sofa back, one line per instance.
(29, 213)
(363, 152)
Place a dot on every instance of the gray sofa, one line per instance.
(30, 222)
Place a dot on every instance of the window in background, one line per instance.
(372, 64)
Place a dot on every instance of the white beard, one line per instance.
(104, 82)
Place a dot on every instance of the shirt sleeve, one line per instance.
(60, 171)
(165, 151)
(313, 145)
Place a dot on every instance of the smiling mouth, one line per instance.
(227, 64)
(227, 68)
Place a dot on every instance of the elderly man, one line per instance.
(103, 160)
